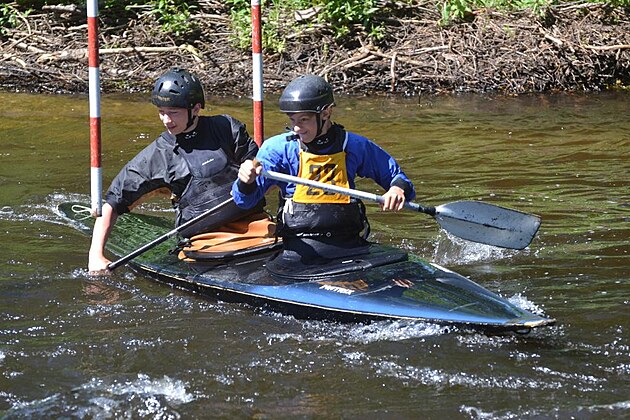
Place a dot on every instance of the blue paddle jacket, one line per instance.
(364, 158)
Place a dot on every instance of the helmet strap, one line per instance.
(320, 122)
(191, 119)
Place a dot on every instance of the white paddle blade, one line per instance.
(488, 224)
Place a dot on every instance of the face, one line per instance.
(176, 119)
(304, 124)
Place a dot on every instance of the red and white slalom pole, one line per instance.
(96, 182)
(257, 69)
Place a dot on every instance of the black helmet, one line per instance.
(178, 88)
(307, 94)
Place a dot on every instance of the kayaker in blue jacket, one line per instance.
(195, 161)
(315, 224)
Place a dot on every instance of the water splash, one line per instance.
(45, 211)
(172, 389)
(48, 210)
(141, 396)
(354, 333)
(443, 378)
(449, 249)
(526, 304)
(613, 410)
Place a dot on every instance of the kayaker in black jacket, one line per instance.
(194, 161)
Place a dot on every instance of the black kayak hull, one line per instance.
(352, 290)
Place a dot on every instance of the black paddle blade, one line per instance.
(488, 224)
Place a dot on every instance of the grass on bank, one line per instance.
(285, 17)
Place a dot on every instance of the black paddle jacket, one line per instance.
(196, 168)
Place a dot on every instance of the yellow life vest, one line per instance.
(330, 169)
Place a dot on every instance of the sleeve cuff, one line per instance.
(403, 185)
(246, 188)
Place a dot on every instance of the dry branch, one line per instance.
(82, 53)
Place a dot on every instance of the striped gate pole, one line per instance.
(257, 70)
(96, 182)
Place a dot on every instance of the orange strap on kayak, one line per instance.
(255, 233)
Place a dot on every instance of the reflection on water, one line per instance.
(125, 347)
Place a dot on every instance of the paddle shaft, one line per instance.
(342, 190)
(166, 236)
(471, 220)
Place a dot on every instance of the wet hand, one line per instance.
(394, 199)
(248, 171)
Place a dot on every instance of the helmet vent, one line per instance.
(179, 89)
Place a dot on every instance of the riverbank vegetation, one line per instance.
(362, 46)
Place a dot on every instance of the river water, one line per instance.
(74, 346)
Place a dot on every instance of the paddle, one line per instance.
(113, 265)
(471, 220)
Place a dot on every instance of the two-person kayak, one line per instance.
(384, 283)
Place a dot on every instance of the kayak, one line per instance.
(384, 283)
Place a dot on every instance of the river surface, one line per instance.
(75, 346)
